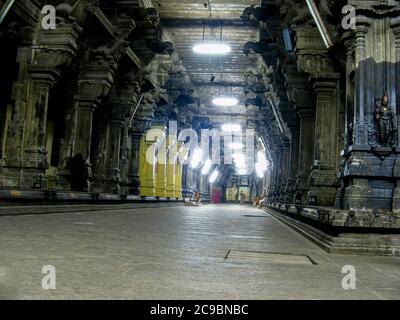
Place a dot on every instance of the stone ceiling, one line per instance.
(185, 21)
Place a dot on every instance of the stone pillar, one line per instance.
(306, 151)
(25, 157)
(313, 59)
(300, 94)
(171, 172)
(370, 166)
(147, 167)
(284, 171)
(107, 172)
(94, 84)
(185, 181)
(294, 165)
(134, 162)
(323, 179)
(25, 160)
(125, 156)
(395, 24)
(178, 174)
(161, 178)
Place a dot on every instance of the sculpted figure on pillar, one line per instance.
(384, 124)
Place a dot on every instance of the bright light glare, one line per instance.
(239, 157)
(262, 159)
(262, 164)
(212, 48)
(196, 158)
(235, 146)
(214, 176)
(260, 170)
(242, 172)
(239, 160)
(225, 101)
(230, 127)
(206, 167)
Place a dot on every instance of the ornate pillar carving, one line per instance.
(370, 162)
(25, 161)
(323, 178)
(94, 84)
(136, 134)
(301, 96)
(312, 58)
(160, 122)
(294, 164)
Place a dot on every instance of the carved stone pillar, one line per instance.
(134, 160)
(300, 94)
(94, 84)
(294, 165)
(107, 176)
(323, 179)
(370, 167)
(171, 170)
(178, 173)
(25, 161)
(186, 190)
(395, 24)
(306, 151)
(284, 172)
(313, 59)
(161, 179)
(161, 170)
(147, 167)
(26, 139)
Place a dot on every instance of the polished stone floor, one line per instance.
(178, 253)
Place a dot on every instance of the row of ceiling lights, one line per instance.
(215, 48)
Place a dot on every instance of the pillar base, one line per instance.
(323, 187)
(301, 189)
(370, 180)
(23, 179)
(170, 193)
(363, 197)
(161, 193)
(133, 185)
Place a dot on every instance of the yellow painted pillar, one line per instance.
(178, 173)
(161, 180)
(147, 167)
(171, 169)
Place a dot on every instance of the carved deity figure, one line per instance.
(383, 118)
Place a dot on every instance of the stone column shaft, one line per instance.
(306, 151)
(323, 178)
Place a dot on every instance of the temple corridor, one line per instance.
(200, 149)
(178, 253)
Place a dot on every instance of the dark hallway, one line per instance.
(200, 149)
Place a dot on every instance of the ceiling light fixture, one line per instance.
(326, 36)
(231, 127)
(225, 101)
(212, 48)
(5, 9)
